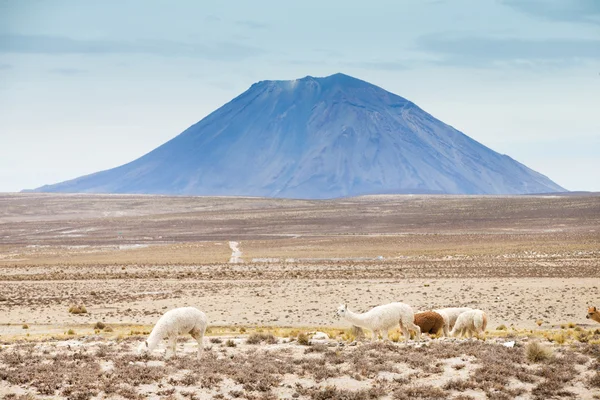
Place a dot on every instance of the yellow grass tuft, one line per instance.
(537, 352)
(78, 309)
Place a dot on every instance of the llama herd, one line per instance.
(452, 321)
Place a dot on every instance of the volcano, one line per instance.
(317, 138)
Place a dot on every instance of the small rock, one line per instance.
(509, 344)
(320, 336)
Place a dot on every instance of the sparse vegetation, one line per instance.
(260, 372)
(25, 326)
(100, 325)
(537, 352)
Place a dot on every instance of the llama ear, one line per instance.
(146, 343)
(594, 309)
(345, 306)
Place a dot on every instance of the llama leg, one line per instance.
(199, 336)
(375, 335)
(417, 330)
(384, 334)
(446, 330)
(171, 345)
(405, 332)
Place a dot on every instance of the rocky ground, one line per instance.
(531, 262)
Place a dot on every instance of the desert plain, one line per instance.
(270, 272)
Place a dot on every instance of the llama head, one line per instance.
(591, 312)
(342, 309)
(143, 347)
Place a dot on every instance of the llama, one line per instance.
(174, 323)
(429, 321)
(593, 314)
(469, 323)
(450, 315)
(381, 318)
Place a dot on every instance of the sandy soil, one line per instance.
(532, 262)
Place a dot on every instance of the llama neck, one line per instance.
(154, 338)
(356, 319)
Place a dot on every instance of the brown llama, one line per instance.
(593, 314)
(429, 321)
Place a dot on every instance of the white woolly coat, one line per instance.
(177, 322)
(383, 317)
(450, 315)
(470, 322)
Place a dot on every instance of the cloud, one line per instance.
(489, 51)
(380, 65)
(67, 71)
(5, 67)
(252, 24)
(212, 18)
(580, 11)
(42, 44)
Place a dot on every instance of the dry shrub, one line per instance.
(595, 380)
(333, 393)
(303, 339)
(420, 392)
(78, 309)
(189, 379)
(210, 380)
(257, 338)
(76, 375)
(537, 352)
(459, 385)
(216, 340)
(317, 348)
(549, 390)
(230, 343)
(128, 371)
(100, 325)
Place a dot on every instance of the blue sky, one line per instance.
(89, 85)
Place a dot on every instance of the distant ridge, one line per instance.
(329, 137)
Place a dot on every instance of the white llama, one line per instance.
(469, 323)
(450, 315)
(381, 318)
(174, 323)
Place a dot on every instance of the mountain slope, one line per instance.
(317, 138)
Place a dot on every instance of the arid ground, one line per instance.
(532, 263)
